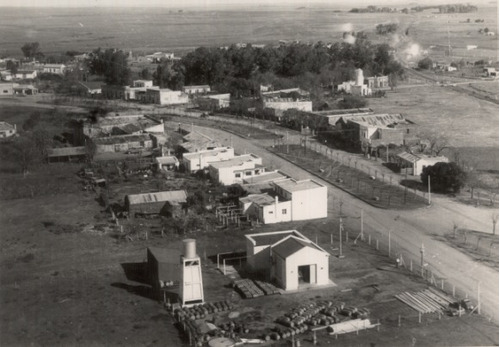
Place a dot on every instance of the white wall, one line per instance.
(306, 256)
(310, 204)
(195, 163)
(274, 213)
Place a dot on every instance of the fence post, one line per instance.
(370, 239)
(453, 290)
(377, 245)
(411, 265)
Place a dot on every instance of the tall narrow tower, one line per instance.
(192, 282)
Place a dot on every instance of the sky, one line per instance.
(216, 3)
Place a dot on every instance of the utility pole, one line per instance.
(287, 147)
(422, 252)
(479, 297)
(429, 187)
(362, 226)
(389, 250)
(340, 237)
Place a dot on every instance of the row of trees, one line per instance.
(383, 29)
(241, 70)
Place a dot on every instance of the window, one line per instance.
(248, 173)
(257, 172)
(237, 175)
(283, 211)
(5, 91)
(270, 212)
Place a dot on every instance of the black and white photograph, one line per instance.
(219, 173)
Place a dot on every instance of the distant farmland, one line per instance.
(148, 30)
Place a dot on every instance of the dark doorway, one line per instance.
(304, 274)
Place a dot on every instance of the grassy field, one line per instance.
(67, 281)
(149, 30)
(465, 121)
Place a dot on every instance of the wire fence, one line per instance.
(421, 266)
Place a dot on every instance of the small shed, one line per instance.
(167, 163)
(67, 154)
(298, 261)
(414, 164)
(163, 268)
(167, 203)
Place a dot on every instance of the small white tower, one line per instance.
(192, 282)
(360, 79)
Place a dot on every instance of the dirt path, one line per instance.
(409, 229)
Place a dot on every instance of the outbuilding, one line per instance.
(289, 258)
(163, 268)
(167, 203)
(414, 164)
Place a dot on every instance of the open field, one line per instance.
(149, 30)
(463, 120)
(66, 281)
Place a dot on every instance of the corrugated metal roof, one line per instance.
(259, 199)
(178, 196)
(6, 126)
(412, 158)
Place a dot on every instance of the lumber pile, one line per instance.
(426, 301)
(267, 288)
(248, 288)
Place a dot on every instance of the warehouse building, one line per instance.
(167, 203)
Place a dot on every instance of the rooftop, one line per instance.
(412, 158)
(167, 160)
(292, 245)
(206, 153)
(166, 255)
(236, 161)
(196, 87)
(270, 238)
(377, 120)
(259, 199)
(265, 177)
(292, 185)
(6, 126)
(146, 198)
(120, 139)
(66, 151)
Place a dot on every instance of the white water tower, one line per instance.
(360, 79)
(192, 282)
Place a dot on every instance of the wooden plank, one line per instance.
(432, 305)
(423, 308)
(436, 298)
(428, 309)
(406, 302)
(415, 303)
(442, 295)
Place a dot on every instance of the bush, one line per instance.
(444, 177)
(352, 101)
(425, 64)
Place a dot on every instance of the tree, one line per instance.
(25, 151)
(444, 177)
(145, 74)
(112, 64)
(32, 50)
(494, 219)
(352, 101)
(436, 142)
(11, 66)
(425, 64)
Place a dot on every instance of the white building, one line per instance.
(200, 160)
(142, 83)
(25, 74)
(7, 130)
(214, 102)
(292, 200)
(166, 97)
(356, 87)
(289, 258)
(309, 198)
(57, 69)
(202, 89)
(234, 170)
(414, 164)
(167, 163)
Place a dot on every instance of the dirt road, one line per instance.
(409, 229)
